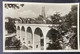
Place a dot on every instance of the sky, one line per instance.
(34, 10)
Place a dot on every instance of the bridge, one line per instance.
(34, 36)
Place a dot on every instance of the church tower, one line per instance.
(43, 12)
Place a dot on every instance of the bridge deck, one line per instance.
(39, 24)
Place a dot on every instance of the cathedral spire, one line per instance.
(43, 12)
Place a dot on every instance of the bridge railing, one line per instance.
(51, 25)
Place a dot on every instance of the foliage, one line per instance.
(12, 41)
(65, 25)
(55, 18)
(54, 37)
(71, 20)
(10, 26)
(40, 19)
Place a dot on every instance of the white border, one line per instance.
(40, 50)
(78, 28)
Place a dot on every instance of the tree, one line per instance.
(69, 21)
(72, 16)
(16, 43)
(55, 18)
(10, 26)
(40, 19)
(12, 41)
(54, 37)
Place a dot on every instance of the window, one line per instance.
(28, 42)
(23, 38)
(24, 42)
(19, 36)
(36, 46)
(42, 42)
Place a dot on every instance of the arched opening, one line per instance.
(18, 32)
(22, 34)
(38, 39)
(52, 40)
(29, 38)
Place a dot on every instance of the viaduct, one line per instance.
(34, 36)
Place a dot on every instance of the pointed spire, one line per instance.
(43, 12)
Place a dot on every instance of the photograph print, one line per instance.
(40, 26)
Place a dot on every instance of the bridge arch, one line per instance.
(29, 38)
(23, 34)
(51, 37)
(38, 39)
(18, 28)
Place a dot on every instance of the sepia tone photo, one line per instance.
(40, 26)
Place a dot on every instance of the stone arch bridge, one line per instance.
(33, 36)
